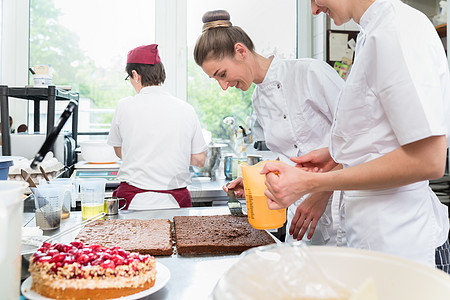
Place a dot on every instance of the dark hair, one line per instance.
(150, 74)
(219, 37)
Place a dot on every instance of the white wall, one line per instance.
(349, 26)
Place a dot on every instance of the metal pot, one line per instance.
(253, 159)
(213, 156)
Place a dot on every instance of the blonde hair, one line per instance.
(219, 37)
(216, 24)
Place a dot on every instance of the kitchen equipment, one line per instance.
(44, 174)
(233, 204)
(49, 201)
(5, 163)
(51, 138)
(253, 159)
(235, 168)
(228, 166)
(27, 178)
(69, 194)
(213, 156)
(264, 272)
(91, 191)
(98, 152)
(73, 228)
(11, 217)
(112, 205)
(84, 169)
(259, 214)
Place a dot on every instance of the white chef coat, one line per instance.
(158, 133)
(295, 104)
(397, 93)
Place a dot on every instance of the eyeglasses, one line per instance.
(128, 77)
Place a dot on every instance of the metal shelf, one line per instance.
(50, 94)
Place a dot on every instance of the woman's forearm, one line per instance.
(421, 160)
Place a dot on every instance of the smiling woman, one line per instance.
(207, 97)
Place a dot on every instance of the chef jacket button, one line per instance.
(278, 85)
(284, 116)
(295, 146)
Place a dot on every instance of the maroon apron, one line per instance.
(127, 191)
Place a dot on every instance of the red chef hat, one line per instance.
(147, 54)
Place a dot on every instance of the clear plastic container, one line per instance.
(92, 194)
(69, 194)
(48, 202)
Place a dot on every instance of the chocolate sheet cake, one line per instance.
(144, 236)
(216, 235)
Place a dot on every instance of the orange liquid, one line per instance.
(65, 215)
(259, 214)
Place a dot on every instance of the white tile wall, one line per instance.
(350, 26)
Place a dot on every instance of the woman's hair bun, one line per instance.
(215, 15)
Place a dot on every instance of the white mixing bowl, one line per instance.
(98, 152)
(258, 274)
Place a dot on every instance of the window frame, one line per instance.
(170, 33)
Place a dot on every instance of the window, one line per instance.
(87, 51)
(272, 28)
(86, 43)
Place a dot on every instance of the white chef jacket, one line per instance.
(396, 93)
(158, 133)
(295, 104)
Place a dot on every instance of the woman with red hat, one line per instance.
(157, 136)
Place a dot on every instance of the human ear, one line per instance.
(240, 50)
(135, 75)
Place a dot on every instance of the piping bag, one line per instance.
(51, 138)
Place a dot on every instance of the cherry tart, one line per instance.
(76, 271)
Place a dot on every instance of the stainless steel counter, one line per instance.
(207, 192)
(191, 277)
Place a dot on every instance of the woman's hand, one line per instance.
(309, 212)
(285, 184)
(315, 161)
(237, 186)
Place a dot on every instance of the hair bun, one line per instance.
(216, 15)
